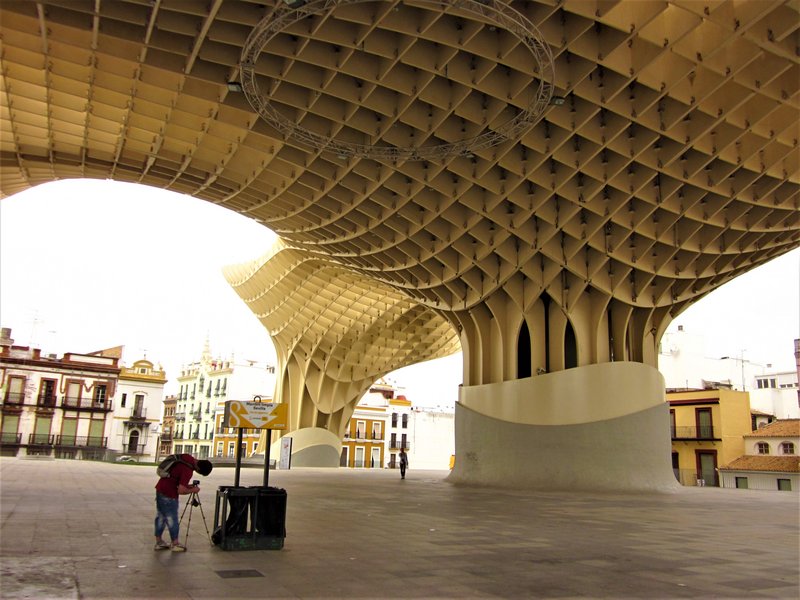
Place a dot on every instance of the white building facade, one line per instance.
(432, 436)
(87, 406)
(204, 387)
(684, 365)
(138, 405)
(426, 434)
(771, 460)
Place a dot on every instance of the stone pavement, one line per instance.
(79, 529)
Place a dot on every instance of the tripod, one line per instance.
(191, 502)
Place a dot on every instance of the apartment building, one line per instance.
(204, 387)
(683, 362)
(383, 424)
(77, 405)
(771, 460)
(167, 425)
(136, 419)
(708, 429)
(364, 440)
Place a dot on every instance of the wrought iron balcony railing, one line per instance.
(46, 400)
(40, 439)
(704, 432)
(12, 439)
(15, 398)
(81, 441)
(86, 403)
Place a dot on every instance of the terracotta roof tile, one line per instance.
(784, 464)
(782, 428)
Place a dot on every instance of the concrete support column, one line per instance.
(596, 427)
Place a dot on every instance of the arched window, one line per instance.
(787, 448)
(524, 351)
(570, 347)
(762, 448)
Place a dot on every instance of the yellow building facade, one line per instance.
(363, 443)
(707, 429)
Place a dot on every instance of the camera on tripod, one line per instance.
(194, 499)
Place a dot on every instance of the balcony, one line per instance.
(16, 398)
(136, 449)
(138, 414)
(75, 403)
(40, 439)
(395, 444)
(704, 432)
(10, 439)
(376, 436)
(46, 401)
(81, 441)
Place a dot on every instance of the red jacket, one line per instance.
(180, 474)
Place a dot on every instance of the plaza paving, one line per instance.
(78, 529)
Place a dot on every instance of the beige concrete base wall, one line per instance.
(600, 427)
(312, 447)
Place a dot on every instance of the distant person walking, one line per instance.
(403, 463)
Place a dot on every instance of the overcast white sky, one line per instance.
(87, 264)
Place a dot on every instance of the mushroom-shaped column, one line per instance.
(335, 332)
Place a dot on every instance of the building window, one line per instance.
(361, 427)
(376, 431)
(124, 398)
(705, 429)
(15, 392)
(231, 448)
(220, 449)
(787, 448)
(394, 419)
(100, 393)
(785, 485)
(741, 483)
(762, 448)
(405, 420)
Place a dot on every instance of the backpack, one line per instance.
(165, 466)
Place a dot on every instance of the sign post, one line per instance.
(254, 415)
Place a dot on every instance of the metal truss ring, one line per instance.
(494, 11)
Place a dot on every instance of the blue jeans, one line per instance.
(166, 516)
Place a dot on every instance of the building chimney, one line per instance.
(5, 337)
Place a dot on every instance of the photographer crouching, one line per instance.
(175, 480)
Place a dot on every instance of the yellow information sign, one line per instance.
(255, 415)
